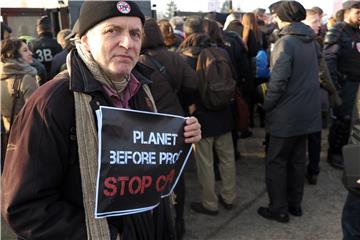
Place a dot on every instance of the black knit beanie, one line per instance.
(291, 11)
(94, 12)
(273, 7)
(351, 4)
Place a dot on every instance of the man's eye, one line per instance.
(135, 34)
(109, 30)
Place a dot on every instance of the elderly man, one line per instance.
(50, 169)
(292, 105)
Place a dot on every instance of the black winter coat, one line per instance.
(44, 49)
(292, 101)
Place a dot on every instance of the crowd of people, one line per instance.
(287, 67)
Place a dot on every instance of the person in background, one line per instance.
(262, 20)
(177, 24)
(339, 15)
(275, 28)
(17, 77)
(59, 62)
(342, 54)
(351, 212)
(292, 105)
(172, 41)
(216, 130)
(174, 89)
(5, 31)
(238, 54)
(40, 68)
(323, 28)
(249, 23)
(18, 82)
(330, 22)
(233, 24)
(55, 138)
(45, 47)
(327, 89)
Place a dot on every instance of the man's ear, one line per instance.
(84, 41)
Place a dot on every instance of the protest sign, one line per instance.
(141, 156)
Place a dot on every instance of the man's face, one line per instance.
(353, 16)
(115, 44)
(313, 21)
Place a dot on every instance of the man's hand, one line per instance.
(358, 181)
(192, 130)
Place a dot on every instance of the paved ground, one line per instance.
(322, 204)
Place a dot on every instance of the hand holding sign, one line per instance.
(141, 156)
(192, 130)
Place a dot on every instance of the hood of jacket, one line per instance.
(15, 67)
(299, 30)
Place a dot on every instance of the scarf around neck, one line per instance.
(13, 67)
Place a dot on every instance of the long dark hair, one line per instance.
(167, 32)
(10, 49)
(152, 37)
(213, 30)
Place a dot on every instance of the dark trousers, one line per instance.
(285, 171)
(314, 150)
(351, 217)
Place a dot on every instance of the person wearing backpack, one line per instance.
(174, 85)
(214, 113)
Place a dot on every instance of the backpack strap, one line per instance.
(162, 69)
(16, 96)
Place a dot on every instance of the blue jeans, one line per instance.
(351, 217)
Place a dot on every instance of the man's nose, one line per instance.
(125, 41)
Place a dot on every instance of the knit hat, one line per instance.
(94, 12)
(291, 11)
(351, 4)
(273, 7)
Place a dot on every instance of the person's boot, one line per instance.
(279, 217)
(311, 178)
(335, 160)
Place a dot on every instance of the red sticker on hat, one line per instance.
(123, 7)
